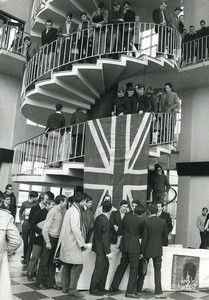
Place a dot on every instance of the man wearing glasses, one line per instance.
(160, 185)
(12, 205)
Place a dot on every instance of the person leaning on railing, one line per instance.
(99, 18)
(116, 18)
(84, 37)
(129, 19)
(65, 32)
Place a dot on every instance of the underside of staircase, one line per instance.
(85, 83)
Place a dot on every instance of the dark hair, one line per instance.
(60, 198)
(80, 197)
(83, 13)
(123, 202)
(71, 199)
(205, 208)
(150, 90)
(106, 206)
(49, 21)
(160, 202)
(158, 166)
(26, 38)
(191, 26)
(50, 195)
(163, 1)
(152, 208)
(202, 21)
(33, 194)
(169, 84)
(101, 5)
(103, 200)
(69, 15)
(127, 2)
(58, 106)
(156, 91)
(136, 202)
(139, 210)
(140, 86)
(8, 186)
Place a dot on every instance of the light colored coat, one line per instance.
(10, 240)
(71, 238)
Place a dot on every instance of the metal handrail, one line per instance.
(12, 39)
(67, 144)
(195, 51)
(134, 39)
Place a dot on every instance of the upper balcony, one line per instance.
(77, 69)
(12, 52)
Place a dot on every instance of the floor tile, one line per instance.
(31, 296)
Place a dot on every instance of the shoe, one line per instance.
(160, 296)
(75, 293)
(30, 278)
(136, 296)
(65, 290)
(96, 293)
(42, 286)
(114, 291)
(55, 287)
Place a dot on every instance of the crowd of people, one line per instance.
(56, 231)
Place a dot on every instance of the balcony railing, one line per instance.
(67, 144)
(195, 51)
(112, 40)
(12, 38)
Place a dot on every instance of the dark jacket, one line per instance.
(122, 105)
(36, 216)
(55, 121)
(115, 219)
(166, 216)
(131, 231)
(144, 103)
(48, 38)
(155, 232)
(101, 240)
(157, 16)
(77, 118)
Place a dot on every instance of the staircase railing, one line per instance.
(111, 40)
(195, 51)
(12, 38)
(67, 144)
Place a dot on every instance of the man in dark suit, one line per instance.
(55, 122)
(65, 31)
(159, 17)
(129, 19)
(155, 232)
(78, 118)
(101, 246)
(130, 231)
(166, 216)
(48, 39)
(116, 218)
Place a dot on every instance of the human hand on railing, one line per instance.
(112, 113)
(121, 20)
(140, 112)
(99, 25)
(121, 114)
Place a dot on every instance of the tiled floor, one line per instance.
(24, 290)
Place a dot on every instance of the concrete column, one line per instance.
(193, 193)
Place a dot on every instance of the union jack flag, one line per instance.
(116, 158)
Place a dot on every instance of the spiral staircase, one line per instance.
(81, 86)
